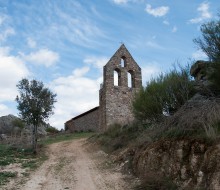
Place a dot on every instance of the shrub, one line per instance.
(52, 130)
(163, 95)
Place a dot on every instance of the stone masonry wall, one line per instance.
(89, 121)
(116, 101)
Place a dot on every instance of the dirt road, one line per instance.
(75, 165)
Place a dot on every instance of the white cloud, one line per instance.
(120, 1)
(204, 13)
(149, 71)
(157, 12)
(12, 69)
(4, 110)
(43, 57)
(199, 55)
(76, 94)
(80, 72)
(174, 29)
(31, 43)
(97, 62)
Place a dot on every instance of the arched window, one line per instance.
(123, 62)
(131, 80)
(117, 77)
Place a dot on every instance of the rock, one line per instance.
(199, 69)
(191, 164)
(9, 127)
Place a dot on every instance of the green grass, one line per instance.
(10, 154)
(65, 137)
(5, 175)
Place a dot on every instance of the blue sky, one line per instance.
(66, 43)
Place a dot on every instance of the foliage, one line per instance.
(117, 136)
(164, 94)
(35, 104)
(52, 130)
(18, 123)
(209, 43)
(5, 175)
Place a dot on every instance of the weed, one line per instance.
(32, 164)
(5, 175)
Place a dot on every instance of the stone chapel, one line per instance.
(121, 80)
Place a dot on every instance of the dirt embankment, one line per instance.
(76, 165)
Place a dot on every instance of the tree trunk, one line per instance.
(34, 139)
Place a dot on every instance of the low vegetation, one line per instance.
(163, 95)
(23, 157)
(64, 137)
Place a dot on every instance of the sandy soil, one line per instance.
(76, 165)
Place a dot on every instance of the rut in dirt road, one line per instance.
(71, 165)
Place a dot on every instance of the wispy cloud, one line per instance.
(204, 13)
(120, 1)
(150, 71)
(157, 12)
(44, 57)
(6, 33)
(97, 62)
(174, 29)
(166, 22)
(153, 44)
(31, 43)
(2, 19)
(127, 1)
(199, 55)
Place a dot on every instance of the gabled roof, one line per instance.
(78, 116)
(122, 52)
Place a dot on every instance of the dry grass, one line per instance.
(200, 113)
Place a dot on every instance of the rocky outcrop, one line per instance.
(6, 125)
(9, 127)
(189, 163)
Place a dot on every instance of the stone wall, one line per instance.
(87, 121)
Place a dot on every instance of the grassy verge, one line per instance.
(24, 157)
(64, 137)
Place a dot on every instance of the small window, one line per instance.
(123, 62)
(115, 78)
(129, 80)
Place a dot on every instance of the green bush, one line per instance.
(52, 130)
(164, 94)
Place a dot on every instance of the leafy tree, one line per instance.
(163, 95)
(210, 40)
(35, 104)
(209, 43)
